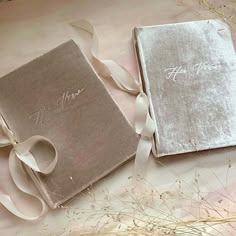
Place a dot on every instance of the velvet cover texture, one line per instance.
(59, 96)
(188, 71)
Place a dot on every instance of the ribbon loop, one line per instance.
(140, 112)
(144, 124)
(108, 68)
(23, 153)
(25, 184)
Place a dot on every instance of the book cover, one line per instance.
(188, 73)
(60, 97)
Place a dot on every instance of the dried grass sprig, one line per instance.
(226, 10)
(154, 212)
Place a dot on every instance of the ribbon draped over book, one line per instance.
(191, 103)
(19, 155)
(144, 124)
(85, 118)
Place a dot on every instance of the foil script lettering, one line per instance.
(172, 73)
(66, 100)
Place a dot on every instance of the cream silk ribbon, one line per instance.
(144, 124)
(19, 154)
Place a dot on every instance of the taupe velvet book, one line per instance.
(188, 73)
(60, 97)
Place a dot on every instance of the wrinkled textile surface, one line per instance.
(189, 71)
(29, 29)
(53, 96)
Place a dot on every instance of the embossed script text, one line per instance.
(175, 72)
(66, 100)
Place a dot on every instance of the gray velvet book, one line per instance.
(59, 96)
(188, 73)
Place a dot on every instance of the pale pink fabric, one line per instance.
(30, 28)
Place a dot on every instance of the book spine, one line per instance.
(144, 82)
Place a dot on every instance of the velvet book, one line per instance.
(59, 96)
(188, 71)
